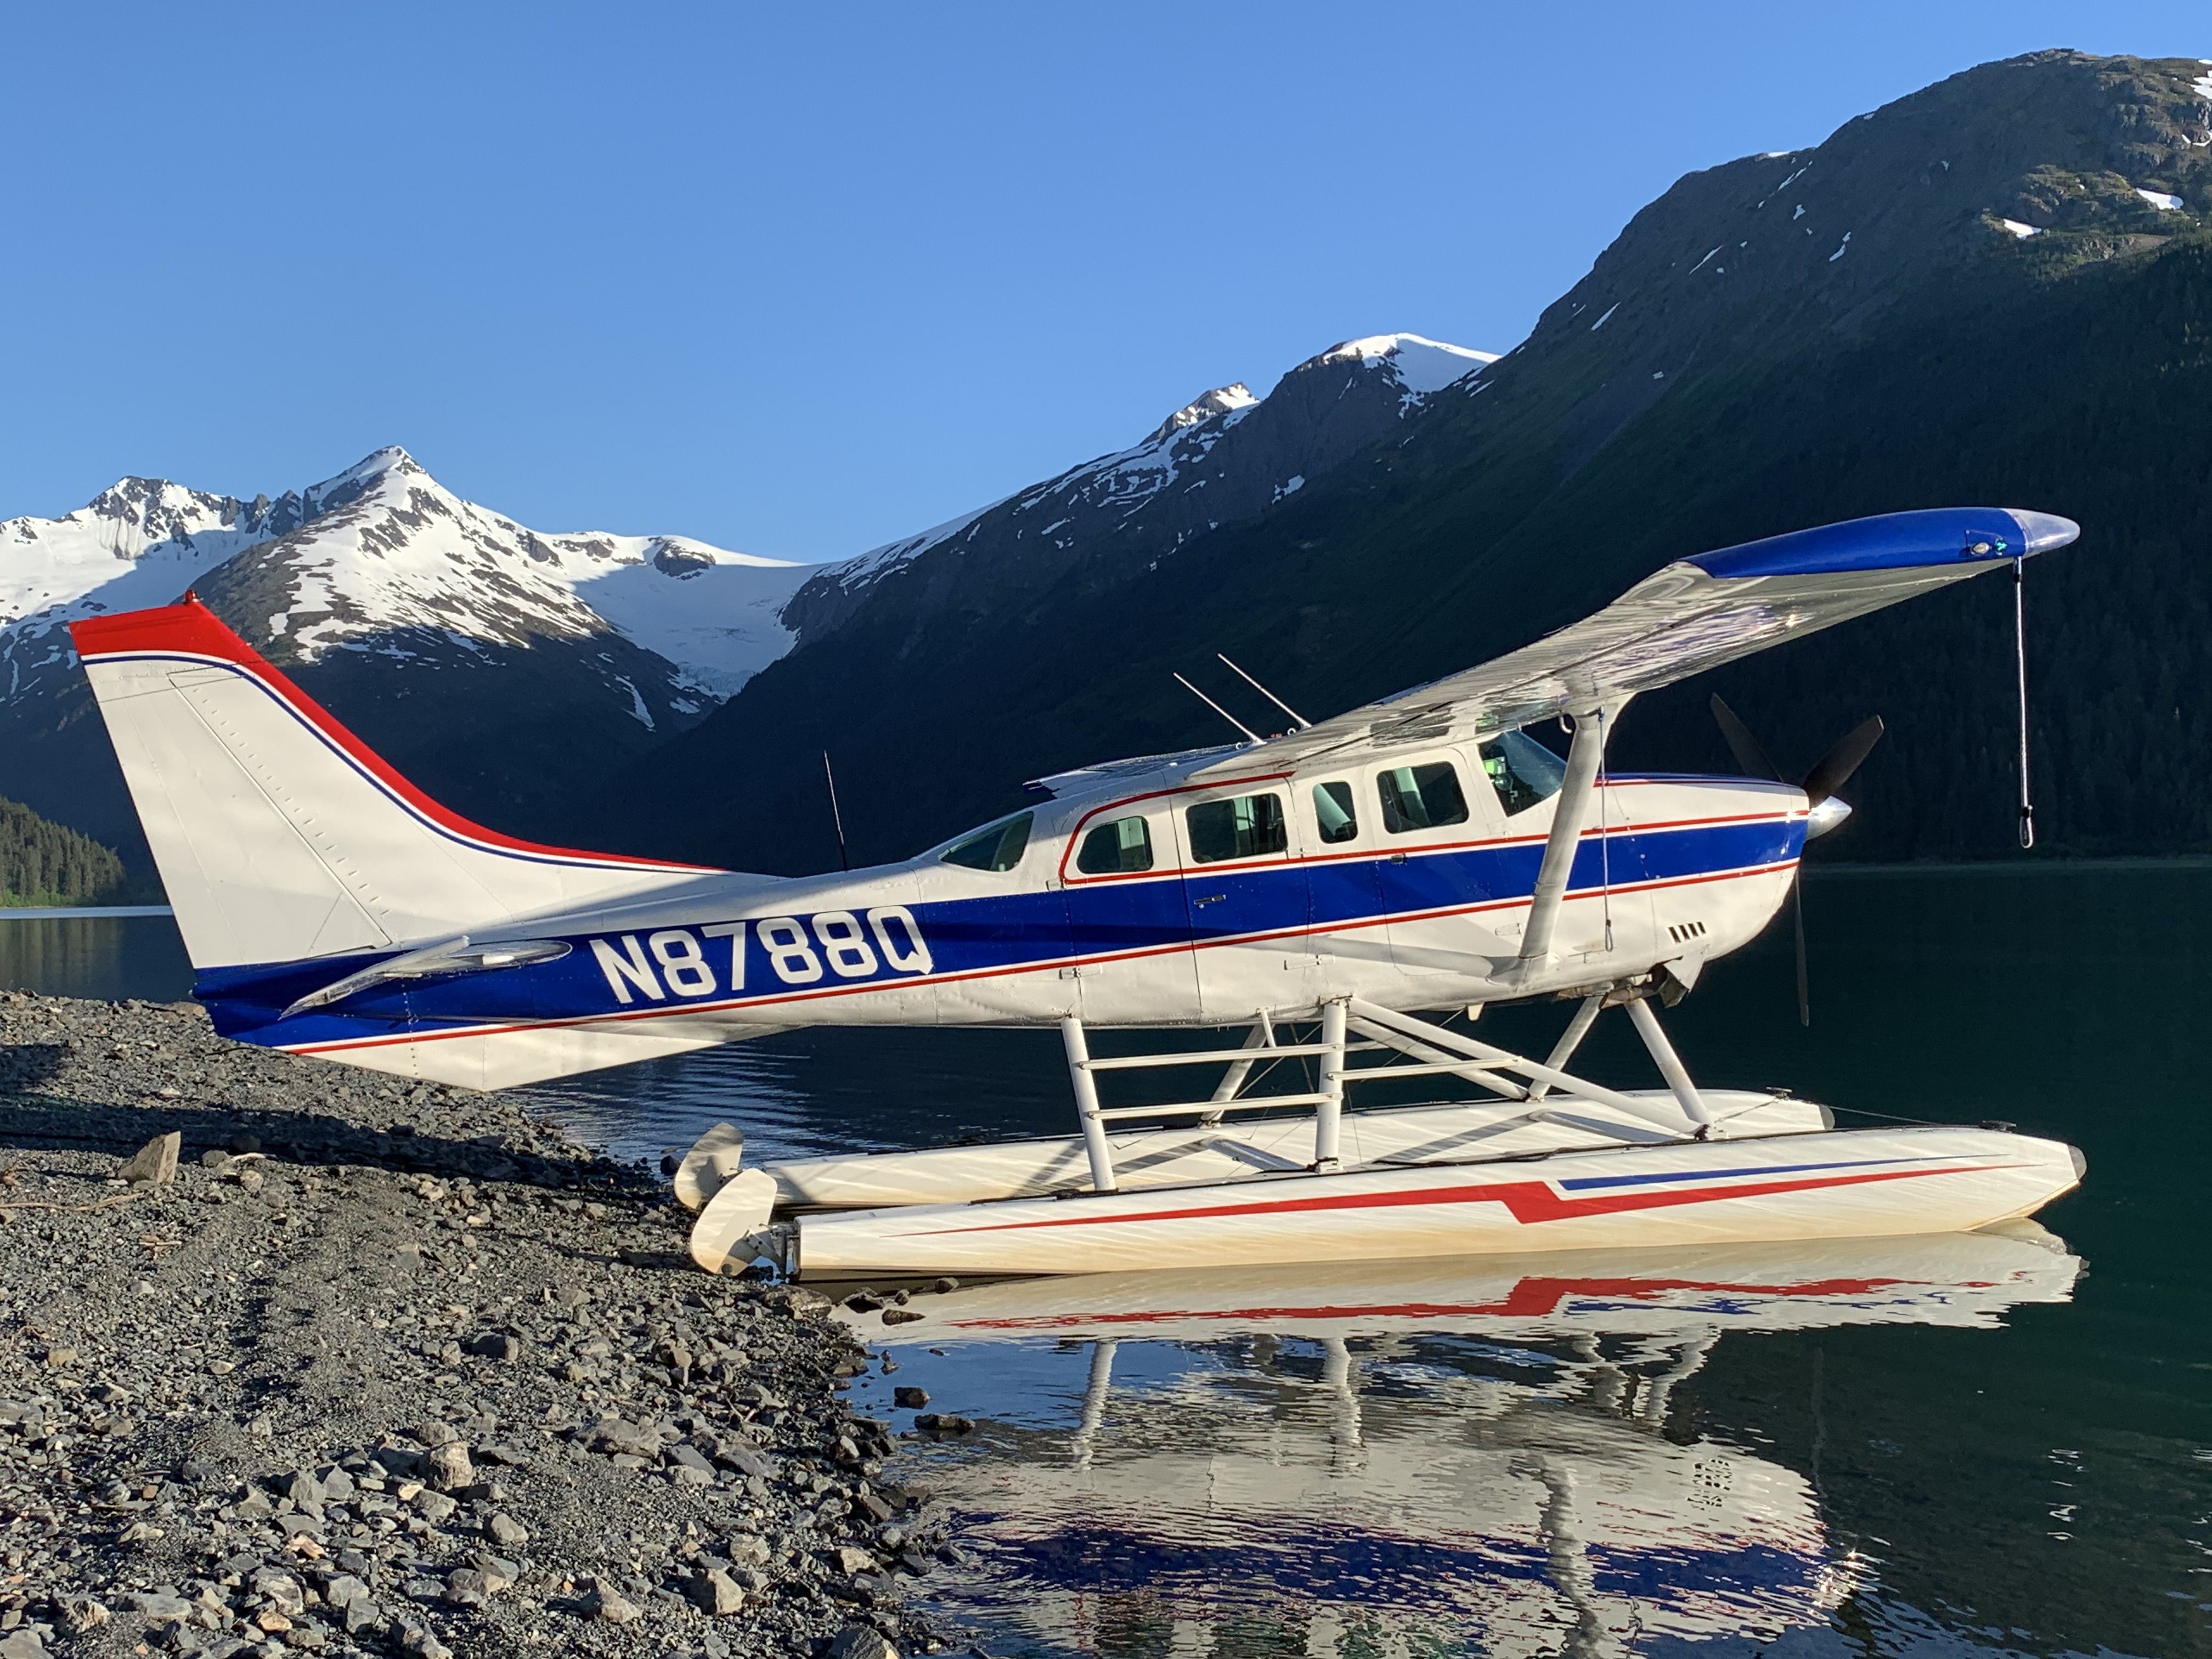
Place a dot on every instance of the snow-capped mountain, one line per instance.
(505, 669)
(381, 558)
(1223, 457)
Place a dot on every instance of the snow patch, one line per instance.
(1700, 265)
(2021, 231)
(1222, 400)
(2159, 199)
(1422, 365)
(1290, 486)
(1840, 246)
(1601, 322)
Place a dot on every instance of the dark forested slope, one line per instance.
(46, 863)
(1784, 340)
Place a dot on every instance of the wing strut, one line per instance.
(1570, 818)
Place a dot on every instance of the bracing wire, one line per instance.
(2019, 660)
(1604, 842)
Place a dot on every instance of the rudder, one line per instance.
(280, 834)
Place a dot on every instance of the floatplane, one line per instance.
(1325, 891)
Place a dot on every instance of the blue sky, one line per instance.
(797, 280)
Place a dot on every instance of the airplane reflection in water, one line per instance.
(1397, 1458)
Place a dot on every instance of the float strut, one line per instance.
(1086, 1105)
(1577, 1029)
(1670, 1064)
(1328, 1114)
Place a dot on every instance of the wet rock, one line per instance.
(154, 1605)
(909, 1399)
(433, 1506)
(620, 1439)
(156, 1163)
(607, 1602)
(506, 1532)
(861, 1642)
(737, 1455)
(944, 1423)
(493, 1344)
(901, 1316)
(715, 1593)
(451, 1467)
(688, 1461)
(280, 1590)
(872, 1505)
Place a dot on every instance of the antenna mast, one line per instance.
(1303, 722)
(836, 817)
(1218, 708)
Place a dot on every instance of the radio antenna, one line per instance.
(1303, 722)
(1218, 708)
(836, 817)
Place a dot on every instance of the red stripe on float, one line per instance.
(1530, 1202)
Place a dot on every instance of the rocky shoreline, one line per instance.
(390, 1368)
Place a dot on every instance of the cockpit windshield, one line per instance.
(1521, 770)
(997, 846)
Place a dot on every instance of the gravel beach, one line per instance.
(390, 1368)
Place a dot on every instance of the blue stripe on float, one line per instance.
(1722, 1174)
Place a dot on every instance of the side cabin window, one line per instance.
(1424, 797)
(1521, 770)
(1247, 827)
(1334, 814)
(1117, 847)
(997, 848)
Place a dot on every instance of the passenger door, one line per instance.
(1246, 898)
(1127, 914)
(1435, 869)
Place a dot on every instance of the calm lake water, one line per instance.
(1988, 1446)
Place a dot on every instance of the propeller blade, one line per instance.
(1804, 978)
(1836, 767)
(1749, 757)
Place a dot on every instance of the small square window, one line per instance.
(1248, 827)
(1420, 797)
(1333, 812)
(1124, 845)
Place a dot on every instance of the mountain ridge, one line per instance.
(1663, 406)
(378, 589)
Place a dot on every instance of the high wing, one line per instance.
(1686, 618)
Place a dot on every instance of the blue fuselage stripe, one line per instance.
(1026, 928)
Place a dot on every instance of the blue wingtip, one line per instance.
(1897, 541)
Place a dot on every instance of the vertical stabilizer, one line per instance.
(280, 834)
